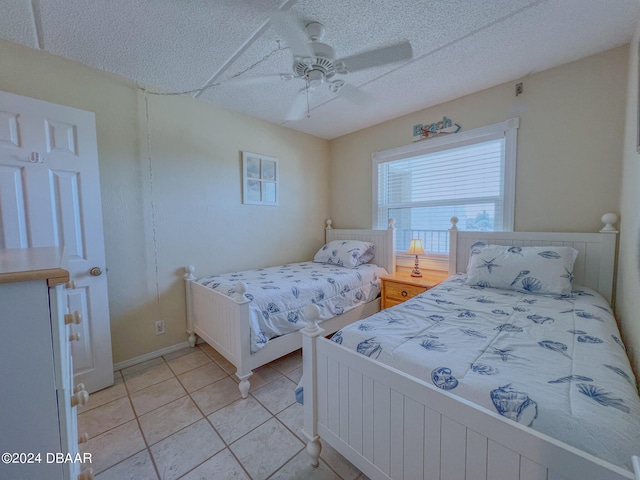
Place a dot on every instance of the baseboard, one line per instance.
(149, 356)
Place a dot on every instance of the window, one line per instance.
(469, 175)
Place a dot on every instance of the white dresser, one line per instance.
(38, 418)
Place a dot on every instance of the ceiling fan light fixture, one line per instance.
(315, 77)
(323, 57)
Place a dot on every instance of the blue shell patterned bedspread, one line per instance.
(554, 363)
(279, 294)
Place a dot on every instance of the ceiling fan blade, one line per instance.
(259, 80)
(373, 58)
(355, 95)
(299, 107)
(292, 34)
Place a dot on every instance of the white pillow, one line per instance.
(533, 269)
(345, 253)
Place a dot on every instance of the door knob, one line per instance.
(95, 271)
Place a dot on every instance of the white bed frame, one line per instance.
(223, 322)
(391, 425)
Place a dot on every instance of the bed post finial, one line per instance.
(609, 219)
(311, 315)
(392, 223)
(454, 223)
(329, 222)
(189, 271)
(240, 290)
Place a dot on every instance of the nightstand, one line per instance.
(399, 287)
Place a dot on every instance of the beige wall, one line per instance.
(628, 291)
(195, 195)
(569, 145)
(570, 148)
(575, 144)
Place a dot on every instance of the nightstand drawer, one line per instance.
(402, 292)
(398, 288)
(388, 302)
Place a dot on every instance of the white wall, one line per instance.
(628, 291)
(194, 201)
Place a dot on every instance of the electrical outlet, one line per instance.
(159, 325)
(518, 89)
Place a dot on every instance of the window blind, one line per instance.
(422, 192)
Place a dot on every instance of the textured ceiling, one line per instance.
(231, 50)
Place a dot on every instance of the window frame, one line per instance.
(507, 130)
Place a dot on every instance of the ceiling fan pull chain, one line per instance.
(307, 92)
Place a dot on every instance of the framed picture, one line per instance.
(259, 179)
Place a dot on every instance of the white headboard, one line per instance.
(384, 241)
(594, 266)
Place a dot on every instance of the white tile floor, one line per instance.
(181, 416)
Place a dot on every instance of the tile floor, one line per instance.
(181, 416)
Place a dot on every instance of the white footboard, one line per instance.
(224, 323)
(217, 319)
(393, 426)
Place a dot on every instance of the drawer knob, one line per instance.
(404, 293)
(78, 387)
(74, 318)
(79, 398)
(74, 337)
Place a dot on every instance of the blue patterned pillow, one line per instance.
(533, 269)
(345, 253)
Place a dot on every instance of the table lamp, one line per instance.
(415, 248)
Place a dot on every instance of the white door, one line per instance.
(50, 196)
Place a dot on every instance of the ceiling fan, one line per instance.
(317, 65)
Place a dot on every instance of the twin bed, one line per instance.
(254, 317)
(471, 381)
(526, 381)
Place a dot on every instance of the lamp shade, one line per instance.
(415, 247)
